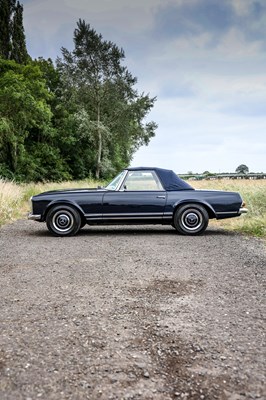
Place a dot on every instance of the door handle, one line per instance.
(160, 197)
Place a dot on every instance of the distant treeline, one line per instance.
(80, 117)
(210, 176)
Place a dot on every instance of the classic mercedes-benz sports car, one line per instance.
(136, 196)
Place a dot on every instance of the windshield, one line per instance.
(114, 185)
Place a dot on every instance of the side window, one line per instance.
(142, 180)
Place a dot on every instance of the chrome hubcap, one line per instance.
(191, 220)
(62, 221)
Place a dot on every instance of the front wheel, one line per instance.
(191, 219)
(63, 220)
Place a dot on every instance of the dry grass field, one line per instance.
(14, 201)
(253, 193)
(11, 196)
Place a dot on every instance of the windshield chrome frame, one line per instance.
(120, 182)
(120, 187)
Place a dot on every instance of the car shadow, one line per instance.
(140, 231)
(133, 231)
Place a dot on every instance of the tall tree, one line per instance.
(19, 51)
(6, 12)
(12, 36)
(106, 107)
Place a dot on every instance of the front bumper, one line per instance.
(34, 217)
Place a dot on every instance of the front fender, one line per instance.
(63, 202)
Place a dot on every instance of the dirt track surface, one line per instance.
(131, 313)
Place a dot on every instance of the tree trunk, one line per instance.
(99, 155)
(14, 157)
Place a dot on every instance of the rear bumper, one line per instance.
(35, 217)
(243, 210)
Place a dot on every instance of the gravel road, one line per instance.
(131, 313)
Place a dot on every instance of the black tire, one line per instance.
(83, 223)
(191, 219)
(63, 220)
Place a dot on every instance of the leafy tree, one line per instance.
(21, 108)
(26, 132)
(67, 140)
(12, 36)
(106, 110)
(242, 169)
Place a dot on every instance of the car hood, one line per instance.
(69, 191)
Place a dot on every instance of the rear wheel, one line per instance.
(191, 219)
(63, 220)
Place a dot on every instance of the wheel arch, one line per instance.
(64, 203)
(204, 204)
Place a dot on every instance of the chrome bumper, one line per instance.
(34, 217)
(243, 210)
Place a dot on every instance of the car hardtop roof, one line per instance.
(168, 178)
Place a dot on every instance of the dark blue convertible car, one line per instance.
(136, 196)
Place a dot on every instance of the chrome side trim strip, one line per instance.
(132, 217)
(133, 214)
(226, 212)
(167, 215)
(93, 215)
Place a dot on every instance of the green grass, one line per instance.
(14, 201)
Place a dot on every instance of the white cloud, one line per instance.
(234, 45)
(241, 7)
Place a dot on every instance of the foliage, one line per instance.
(106, 110)
(25, 122)
(242, 169)
(12, 37)
(6, 7)
(82, 118)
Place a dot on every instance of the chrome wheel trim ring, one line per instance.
(62, 221)
(191, 220)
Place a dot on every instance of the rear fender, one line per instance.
(206, 205)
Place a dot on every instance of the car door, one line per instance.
(141, 198)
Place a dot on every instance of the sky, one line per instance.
(204, 61)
